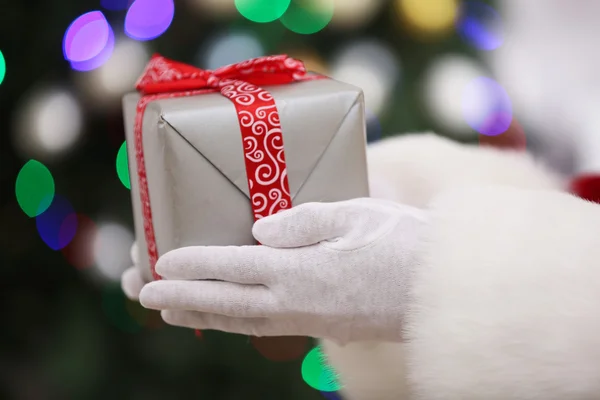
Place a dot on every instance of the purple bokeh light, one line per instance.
(58, 224)
(148, 19)
(100, 59)
(480, 25)
(88, 42)
(487, 107)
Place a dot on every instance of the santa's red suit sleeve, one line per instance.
(506, 304)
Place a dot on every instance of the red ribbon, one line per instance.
(257, 115)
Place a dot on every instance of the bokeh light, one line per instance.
(88, 42)
(354, 14)
(148, 19)
(2, 67)
(486, 106)
(106, 85)
(444, 82)
(123, 166)
(79, 252)
(308, 16)
(58, 224)
(229, 48)
(370, 66)
(115, 5)
(480, 25)
(48, 124)
(262, 11)
(317, 373)
(111, 249)
(34, 188)
(428, 17)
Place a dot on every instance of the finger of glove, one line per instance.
(225, 298)
(135, 258)
(204, 321)
(132, 283)
(304, 225)
(253, 265)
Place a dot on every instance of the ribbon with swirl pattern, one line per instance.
(257, 115)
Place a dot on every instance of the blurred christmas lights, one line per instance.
(2, 67)
(48, 123)
(428, 17)
(88, 42)
(262, 11)
(308, 16)
(106, 85)
(148, 19)
(111, 247)
(230, 47)
(370, 66)
(115, 5)
(486, 106)
(34, 188)
(444, 82)
(123, 166)
(317, 373)
(480, 25)
(58, 224)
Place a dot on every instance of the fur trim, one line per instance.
(412, 169)
(506, 304)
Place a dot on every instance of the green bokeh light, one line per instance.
(262, 10)
(308, 16)
(123, 166)
(317, 373)
(2, 67)
(34, 188)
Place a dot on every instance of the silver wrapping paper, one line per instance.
(195, 163)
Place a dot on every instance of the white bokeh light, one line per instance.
(111, 248)
(48, 123)
(228, 48)
(107, 84)
(370, 66)
(444, 84)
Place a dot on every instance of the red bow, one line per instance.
(167, 76)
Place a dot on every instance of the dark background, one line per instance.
(68, 332)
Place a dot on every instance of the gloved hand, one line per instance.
(340, 271)
(131, 280)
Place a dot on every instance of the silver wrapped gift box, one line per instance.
(195, 166)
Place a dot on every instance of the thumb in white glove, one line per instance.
(131, 280)
(340, 271)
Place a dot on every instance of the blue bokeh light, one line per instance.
(57, 225)
(115, 5)
(480, 25)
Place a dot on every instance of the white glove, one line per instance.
(340, 271)
(131, 280)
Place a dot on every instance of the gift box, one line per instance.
(210, 152)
